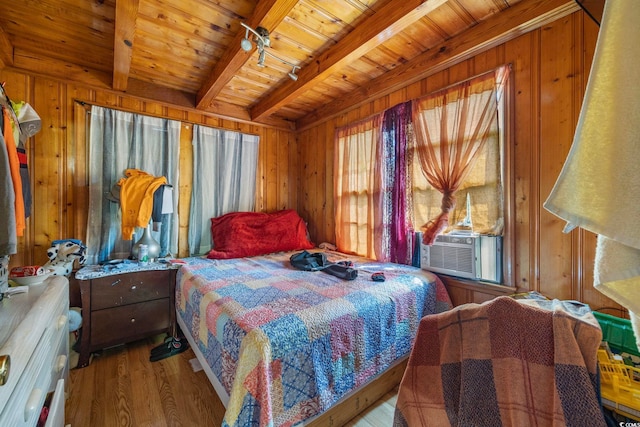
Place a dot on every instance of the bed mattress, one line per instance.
(284, 345)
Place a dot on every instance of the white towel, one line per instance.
(599, 186)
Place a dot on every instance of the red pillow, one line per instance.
(243, 234)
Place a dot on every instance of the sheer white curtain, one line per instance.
(224, 180)
(357, 186)
(120, 141)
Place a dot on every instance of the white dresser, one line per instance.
(34, 333)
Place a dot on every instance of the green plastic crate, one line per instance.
(618, 333)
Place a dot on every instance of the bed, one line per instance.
(281, 346)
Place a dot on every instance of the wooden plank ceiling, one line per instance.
(188, 53)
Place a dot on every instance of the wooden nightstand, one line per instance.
(124, 306)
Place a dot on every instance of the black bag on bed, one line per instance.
(317, 261)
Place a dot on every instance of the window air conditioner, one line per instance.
(471, 256)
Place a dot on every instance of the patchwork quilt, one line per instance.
(505, 362)
(287, 344)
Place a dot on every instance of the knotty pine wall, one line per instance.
(550, 71)
(57, 158)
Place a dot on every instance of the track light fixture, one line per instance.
(262, 41)
(292, 75)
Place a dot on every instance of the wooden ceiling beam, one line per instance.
(267, 14)
(392, 19)
(6, 50)
(519, 19)
(125, 31)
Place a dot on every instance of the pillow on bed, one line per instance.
(242, 234)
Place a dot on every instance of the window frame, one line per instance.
(508, 235)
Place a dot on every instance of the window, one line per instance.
(119, 141)
(454, 144)
(452, 128)
(357, 186)
(225, 164)
(483, 186)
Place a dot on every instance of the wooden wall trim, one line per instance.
(462, 291)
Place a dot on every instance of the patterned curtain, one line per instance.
(396, 186)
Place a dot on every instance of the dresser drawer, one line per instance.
(56, 406)
(126, 323)
(123, 289)
(36, 369)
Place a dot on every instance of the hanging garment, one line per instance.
(598, 186)
(8, 239)
(14, 167)
(162, 204)
(30, 124)
(136, 199)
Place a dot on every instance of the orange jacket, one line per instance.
(14, 165)
(136, 199)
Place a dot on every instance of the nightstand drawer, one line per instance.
(123, 289)
(123, 306)
(122, 324)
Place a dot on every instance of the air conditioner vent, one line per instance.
(452, 258)
(477, 257)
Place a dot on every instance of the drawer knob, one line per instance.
(5, 366)
(133, 320)
(61, 363)
(62, 322)
(33, 403)
(134, 287)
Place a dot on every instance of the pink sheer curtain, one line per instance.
(357, 188)
(451, 127)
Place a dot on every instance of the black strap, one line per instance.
(317, 261)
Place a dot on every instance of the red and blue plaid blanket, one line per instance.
(287, 344)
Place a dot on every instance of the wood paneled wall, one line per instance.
(550, 70)
(57, 158)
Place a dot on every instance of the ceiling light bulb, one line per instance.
(246, 45)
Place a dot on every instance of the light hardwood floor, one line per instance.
(122, 388)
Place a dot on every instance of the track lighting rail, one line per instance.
(262, 41)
